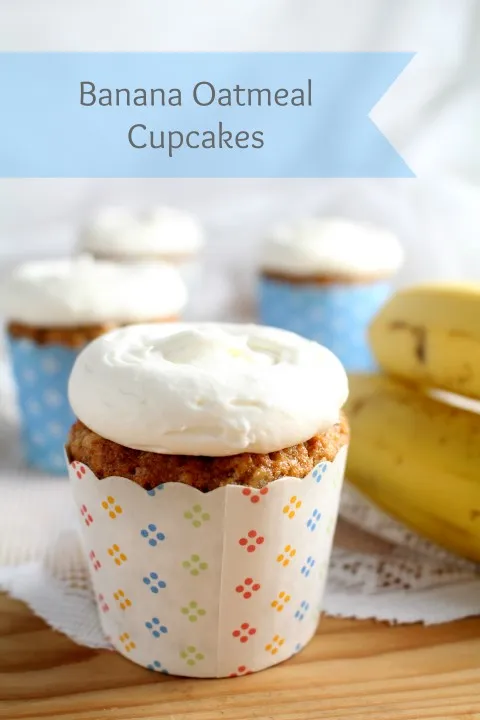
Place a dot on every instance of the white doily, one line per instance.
(378, 570)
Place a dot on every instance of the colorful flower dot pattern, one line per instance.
(195, 565)
(244, 632)
(96, 564)
(286, 556)
(79, 470)
(319, 472)
(127, 642)
(275, 644)
(111, 507)
(153, 583)
(196, 516)
(313, 520)
(156, 628)
(87, 518)
(308, 566)
(254, 496)
(116, 553)
(252, 541)
(191, 655)
(152, 535)
(248, 588)
(280, 601)
(302, 610)
(290, 510)
(193, 611)
(104, 606)
(183, 617)
(122, 600)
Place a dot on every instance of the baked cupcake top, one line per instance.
(206, 389)
(117, 232)
(331, 246)
(84, 291)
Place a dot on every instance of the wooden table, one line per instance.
(352, 670)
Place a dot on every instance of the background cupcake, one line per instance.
(162, 233)
(53, 308)
(325, 278)
(208, 521)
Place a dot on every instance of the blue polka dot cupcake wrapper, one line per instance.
(41, 373)
(336, 315)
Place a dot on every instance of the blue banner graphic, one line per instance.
(196, 115)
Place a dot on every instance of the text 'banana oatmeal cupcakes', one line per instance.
(53, 308)
(207, 462)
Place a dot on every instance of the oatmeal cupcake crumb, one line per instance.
(106, 458)
(71, 337)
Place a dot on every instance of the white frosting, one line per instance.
(332, 246)
(84, 291)
(163, 231)
(207, 389)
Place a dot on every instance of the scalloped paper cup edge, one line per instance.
(210, 584)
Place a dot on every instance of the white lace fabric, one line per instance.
(379, 569)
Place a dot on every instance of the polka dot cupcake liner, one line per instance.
(214, 584)
(336, 315)
(41, 373)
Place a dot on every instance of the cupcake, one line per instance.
(207, 462)
(52, 309)
(325, 278)
(164, 233)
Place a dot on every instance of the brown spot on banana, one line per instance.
(419, 334)
(357, 406)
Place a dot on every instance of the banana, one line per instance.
(430, 334)
(418, 459)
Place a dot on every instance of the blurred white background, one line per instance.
(429, 115)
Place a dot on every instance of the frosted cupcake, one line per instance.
(325, 278)
(163, 233)
(52, 309)
(207, 521)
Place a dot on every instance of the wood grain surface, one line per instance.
(352, 670)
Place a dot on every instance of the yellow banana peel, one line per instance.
(418, 459)
(430, 334)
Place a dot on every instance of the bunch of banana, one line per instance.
(416, 457)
